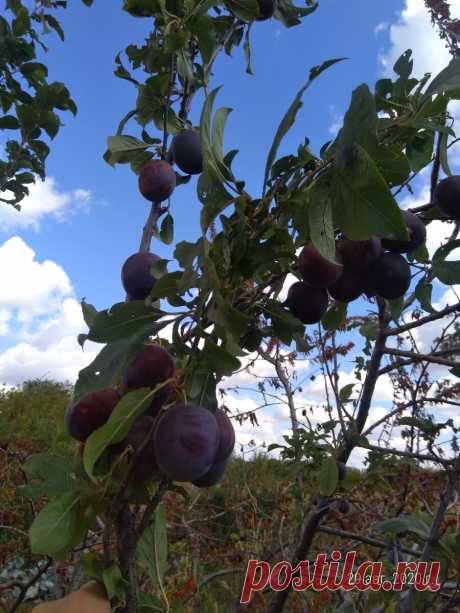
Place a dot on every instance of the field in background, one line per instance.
(213, 532)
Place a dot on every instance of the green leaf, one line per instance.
(113, 581)
(50, 122)
(167, 230)
(447, 80)
(9, 122)
(446, 271)
(420, 150)
(123, 143)
(205, 31)
(186, 252)
(392, 163)
(218, 126)
(219, 359)
(290, 116)
(121, 321)
(369, 330)
(363, 204)
(116, 428)
(423, 291)
(328, 476)
(404, 65)
(58, 526)
(443, 155)
(184, 65)
(395, 307)
(214, 197)
(89, 313)
(247, 50)
(320, 220)
(54, 23)
(359, 125)
(153, 547)
(246, 10)
(25, 177)
(107, 369)
(335, 316)
(92, 565)
(409, 523)
(167, 285)
(345, 392)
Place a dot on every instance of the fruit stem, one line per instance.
(150, 226)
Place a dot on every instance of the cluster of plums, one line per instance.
(184, 442)
(374, 267)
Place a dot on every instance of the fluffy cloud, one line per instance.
(29, 288)
(44, 199)
(38, 310)
(414, 30)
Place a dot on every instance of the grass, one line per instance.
(212, 532)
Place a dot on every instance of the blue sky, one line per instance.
(92, 247)
(77, 229)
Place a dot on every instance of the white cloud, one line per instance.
(381, 27)
(38, 309)
(29, 288)
(415, 31)
(337, 121)
(44, 199)
(59, 361)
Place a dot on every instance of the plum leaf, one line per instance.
(116, 428)
(328, 476)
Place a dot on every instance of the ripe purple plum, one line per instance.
(391, 276)
(226, 435)
(214, 474)
(90, 413)
(186, 151)
(447, 196)
(186, 440)
(152, 366)
(157, 180)
(349, 286)
(315, 269)
(417, 233)
(307, 303)
(266, 9)
(136, 275)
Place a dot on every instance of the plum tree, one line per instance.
(157, 180)
(266, 9)
(186, 151)
(447, 196)
(151, 367)
(186, 439)
(417, 233)
(390, 276)
(136, 275)
(315, 269)
(90, 412)
(226, 435)
(214, 474)
(307, 303)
